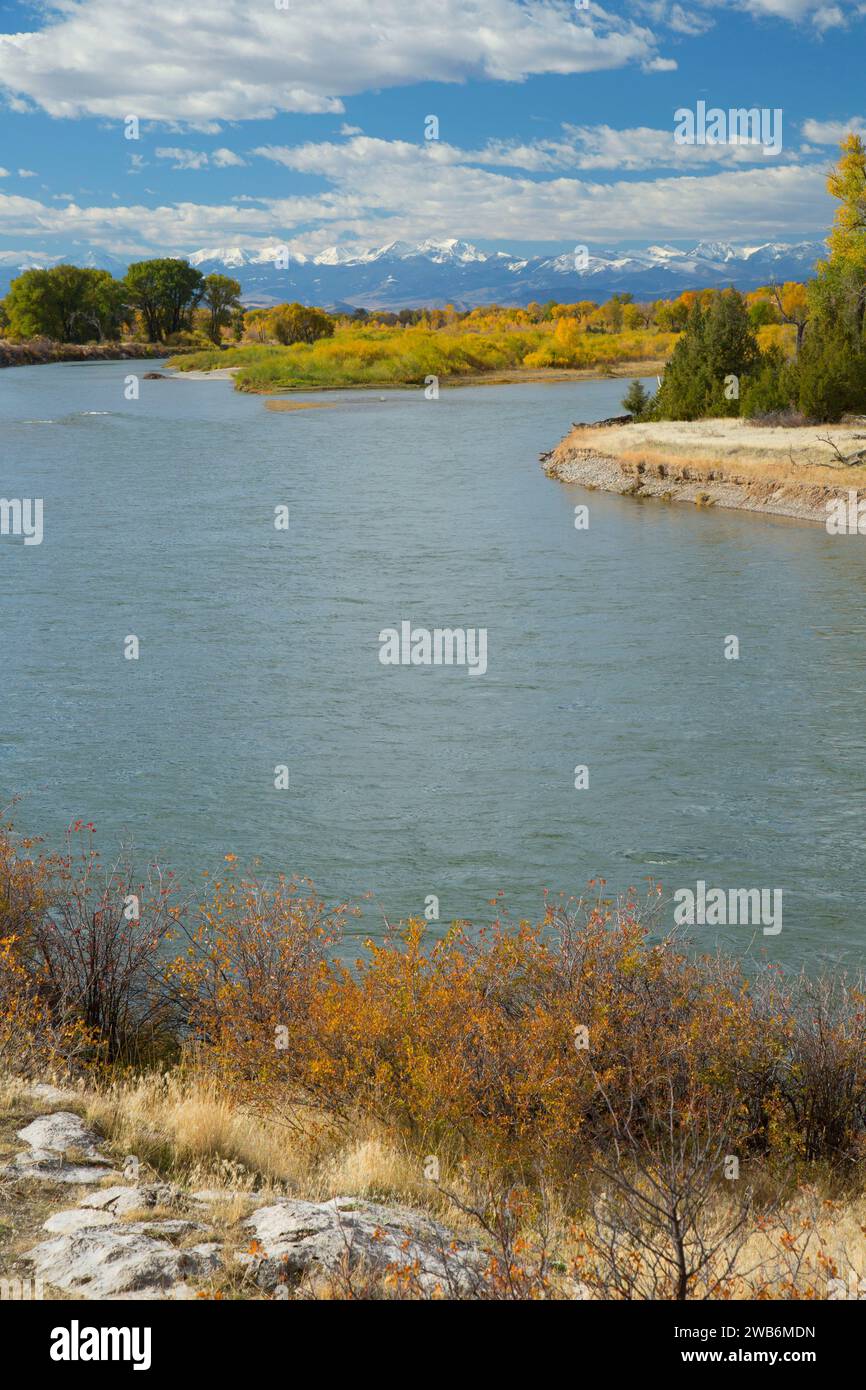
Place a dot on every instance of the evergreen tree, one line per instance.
(636, 400)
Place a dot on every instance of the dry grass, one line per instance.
(732, 451)
(182, 1129)
(184, 1132)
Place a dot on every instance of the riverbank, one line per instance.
(513, 376)
(726, 463)
(39, 351)
(373, 358)
(539, 376)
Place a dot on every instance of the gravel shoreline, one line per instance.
(789, 472)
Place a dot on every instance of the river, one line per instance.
(259, 648)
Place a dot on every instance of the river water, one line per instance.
(259, 648)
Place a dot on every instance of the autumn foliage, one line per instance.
(523, 1050)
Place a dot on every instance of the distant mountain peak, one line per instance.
(449, 270)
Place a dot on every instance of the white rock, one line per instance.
(163, 1228)
(176, 1292)
(299, 1236)
(43, 1091)
(48, 1166)
(106, 1263)
(77, 1219)
(63, 1131)
(121, 1200)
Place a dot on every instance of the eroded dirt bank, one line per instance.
(724, 463)
(38, 351)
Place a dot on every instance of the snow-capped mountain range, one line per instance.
(409, 274)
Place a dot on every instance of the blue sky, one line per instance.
(305, 125)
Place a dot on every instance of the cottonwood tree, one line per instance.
(221, 297)
(165, 292)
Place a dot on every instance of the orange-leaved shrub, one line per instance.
(524, 1050)
(522, 1047)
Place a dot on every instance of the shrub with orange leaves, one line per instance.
(520, 1050)
(514, 1047)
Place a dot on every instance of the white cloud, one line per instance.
(831, 132)
(660, 65)
(199, 159)
(182, 159)
(381, 191)
(239, 60)
(683, 21)
(27, 174)
(823, 14)
(227, 159)
(4, 173)
(577, 147)
(793, 10)
(829, 17)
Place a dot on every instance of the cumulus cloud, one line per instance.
(413, 193)
(198, 159)
(182, 159)
(793, 10)
(829, 17)
(831, 132)
(227, 159)
(697, 19)
(446, 196)
(586, 147)
(241, 61)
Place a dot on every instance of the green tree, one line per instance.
(221, 296)
(299, 323)
(671, 316)
(832, 366)
(68, 303)
(165, 292)
(711, 363)
(831, 376)
(685, 386)
(762, 312)
(774, 387)
(636, 399)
